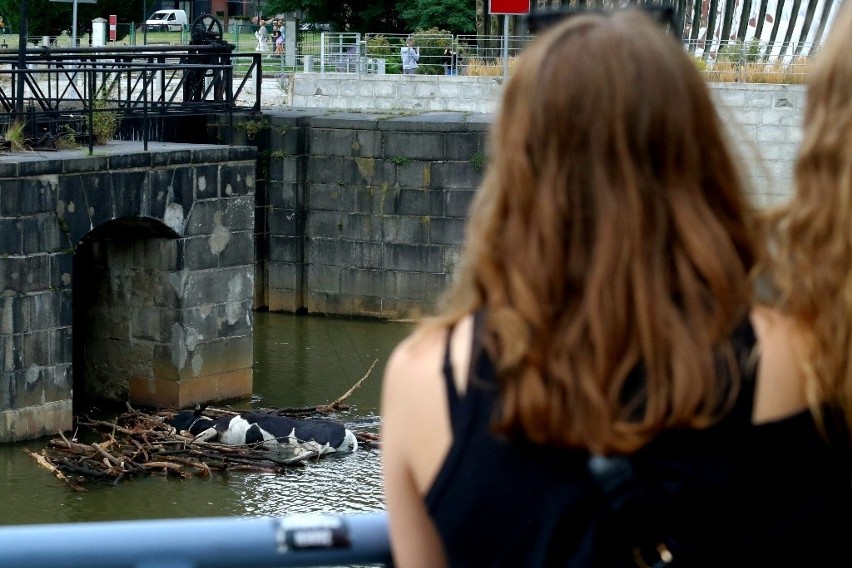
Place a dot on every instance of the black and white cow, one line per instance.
(311, 434)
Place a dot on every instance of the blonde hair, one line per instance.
(610, 234)
(812, 233)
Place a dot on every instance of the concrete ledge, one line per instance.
(32, 422)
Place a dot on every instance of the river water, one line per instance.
(298, 361)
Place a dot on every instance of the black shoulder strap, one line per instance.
(450, 380)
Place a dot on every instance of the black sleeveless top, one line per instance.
(690, 497)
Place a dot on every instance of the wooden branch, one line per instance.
(113, 425)
(82, 449)
(42, 461)
(339, 401)
(108, 456)
(168, 466)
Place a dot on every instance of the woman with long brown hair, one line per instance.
(804, 287)
(585, 395)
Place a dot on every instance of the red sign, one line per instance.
(112, 26)
(509, 6)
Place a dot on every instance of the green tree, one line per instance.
(455, 16)
(376, 16)
(51, 18)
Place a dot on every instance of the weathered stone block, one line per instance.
(235, 179)
(457, 203)
(286, 195)
(217, 286)
(130, 190)
(421, 286)
(279, 300)
(238, 213)
(444, 230)
(288, 222)
(420, 202)
(285, 276)
(235, 319)
(359, 282)
(361, 227)
(412, 258)
(414, 145)
(153, 323)
(99, 197)
(11, 236)
(41, 233)
(287, 249)
(333, 142)
(33, 195)
(329, 251)
(366, 255)
(414, 175)
(323, 224)
(456, 175)
(326, 170)
(12, 355)
(323, 278)
(239, 249)
(173, 191)
(26, 274)
(199, 254)
(329, 197)
(203, 217)
(58, 383)
(368, 306)
(28, 387)
(463, 146)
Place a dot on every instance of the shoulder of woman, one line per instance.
(781, 389)
(417, 361)
(417, 352)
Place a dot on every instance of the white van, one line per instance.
(167, 20)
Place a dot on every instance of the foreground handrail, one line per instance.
(298, 540)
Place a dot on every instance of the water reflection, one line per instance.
(345, 484)
(298, 361)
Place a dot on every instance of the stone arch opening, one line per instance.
(124, 301)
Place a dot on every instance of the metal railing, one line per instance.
(753, 61)
(372, 53)
(218, 542)
(57, 89)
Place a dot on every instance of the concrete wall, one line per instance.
(765, 119)
(148, 255)
(362, 212)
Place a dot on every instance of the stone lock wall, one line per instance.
(363, 214)
(148, 256)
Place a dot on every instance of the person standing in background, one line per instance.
(451, 62)
(278, 40)
(262, 35)
(410, 56)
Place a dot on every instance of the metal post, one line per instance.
(505, 47)
(74, 24)
(22, 58)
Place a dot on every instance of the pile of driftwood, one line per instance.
(139, 443)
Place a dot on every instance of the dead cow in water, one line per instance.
(311, 434)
